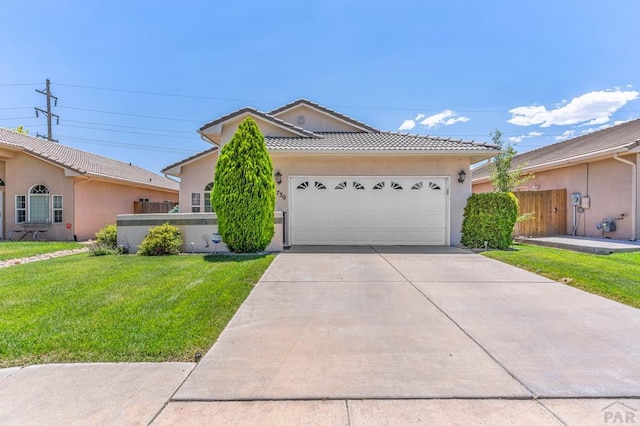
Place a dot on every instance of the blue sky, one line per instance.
(136, 79)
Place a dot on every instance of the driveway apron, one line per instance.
(404, 323)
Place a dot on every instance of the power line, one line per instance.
(127, 127)
(131, 115)
(128, 131)
(5, 109)
(126, 145)
(18, 84)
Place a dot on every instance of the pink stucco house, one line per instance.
(341, 181)
(599, 172)
(68, 192)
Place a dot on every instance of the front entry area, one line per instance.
(387, 210)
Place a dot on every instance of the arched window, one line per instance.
(39, 204)
(207, 198)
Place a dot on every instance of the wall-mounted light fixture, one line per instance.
(461, 176)
(278, 177)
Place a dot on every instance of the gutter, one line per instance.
(634, 194)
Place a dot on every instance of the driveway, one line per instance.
(346, 329)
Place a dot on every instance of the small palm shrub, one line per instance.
(161, 240)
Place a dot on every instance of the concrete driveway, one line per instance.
(415, 333)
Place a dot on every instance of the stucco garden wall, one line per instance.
(194, 226)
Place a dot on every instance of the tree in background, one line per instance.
(21, 129)
(244, 193)
(502, 177)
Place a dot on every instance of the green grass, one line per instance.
(84, 308)
(19, 249)
(615, 276)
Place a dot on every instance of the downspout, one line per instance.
(634, 193)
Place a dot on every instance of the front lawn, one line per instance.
(84, 308)
(19, 249)
(615, 276)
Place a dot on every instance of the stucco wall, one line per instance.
(606, 182)
(194, 226)
(194, 177)
(99, 202)
(197, 174)
(21, 173)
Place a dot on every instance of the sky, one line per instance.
(135, 80)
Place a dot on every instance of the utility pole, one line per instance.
(48, 113)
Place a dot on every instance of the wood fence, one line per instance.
(141, 207)
(550, 211)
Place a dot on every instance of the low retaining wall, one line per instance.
(195, 228)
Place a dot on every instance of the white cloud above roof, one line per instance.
(566, 135)
(444, 118)
(589, 109)
(516, 139)
(407, 125)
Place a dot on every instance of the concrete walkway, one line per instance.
(585, 244)
(360, 336)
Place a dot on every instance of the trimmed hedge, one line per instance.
(244, 193)
(108, 236)
(490, 217)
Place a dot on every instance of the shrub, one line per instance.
(244, 193)
(489, 217)
(161, 240)
(108, 237)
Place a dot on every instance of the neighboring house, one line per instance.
(600, 166)
(340, 181)
(74, 192)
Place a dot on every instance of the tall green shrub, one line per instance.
(489, 217)
(244, 193)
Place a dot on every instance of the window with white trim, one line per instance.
(195, 202)
(21, 208)
(39, 204)
(56, 207)
(207, 198)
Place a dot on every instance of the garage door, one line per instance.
(368, 210)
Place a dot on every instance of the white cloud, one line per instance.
(588, 109)
(517, 139)
(444, 118)
(566, 135)
(407, 125)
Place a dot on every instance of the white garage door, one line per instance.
(368, 210)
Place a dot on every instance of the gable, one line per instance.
(220, 133)
(315, 120)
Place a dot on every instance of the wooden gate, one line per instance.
(141, 207)
(550, 210)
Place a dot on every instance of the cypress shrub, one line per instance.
(490, 217)
(244, 193)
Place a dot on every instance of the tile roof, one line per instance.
(263, 115)
(324, 109)
(379, 141)
(83, 162)
(622, 136)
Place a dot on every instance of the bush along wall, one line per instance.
(489, 217)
